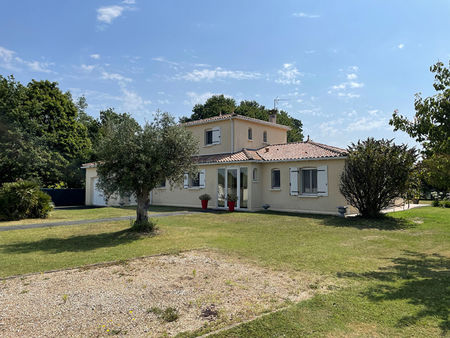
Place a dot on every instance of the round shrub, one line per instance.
(435, 203)
(23, 199)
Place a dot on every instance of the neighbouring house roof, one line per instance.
(308, 150)
(234, 116)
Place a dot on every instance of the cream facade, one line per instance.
(258, 166)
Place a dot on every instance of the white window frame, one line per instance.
(215, 136)
(250, 134)
(265, 136)
(271, 179)
(321, 183)
(255, 174)
(200, 178)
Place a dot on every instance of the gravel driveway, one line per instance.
(153, 296)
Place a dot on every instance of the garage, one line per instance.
(97, 198)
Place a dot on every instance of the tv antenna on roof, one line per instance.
(276, 101)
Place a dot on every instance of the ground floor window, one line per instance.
(275, 178)
(309, 181)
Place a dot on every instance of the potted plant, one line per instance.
(232, 199)
(204, 198)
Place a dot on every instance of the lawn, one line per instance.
(392, 275)
(84, 213)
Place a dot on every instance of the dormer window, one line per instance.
(265, 136)
(212, 136)
(250, 134)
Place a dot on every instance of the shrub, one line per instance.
(204, 197)
(375, 173)
(435, 203)
(445, 204)
(23, 199)
(232, 198)
(144, 226)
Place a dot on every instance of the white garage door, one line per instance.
(97, 198)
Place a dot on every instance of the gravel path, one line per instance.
(85, 221)
(205, 289)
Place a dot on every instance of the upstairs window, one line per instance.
(212, 136)
(265, 136)
(250, 134)
(275, 178)
(255, 174)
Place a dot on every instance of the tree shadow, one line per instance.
(384, 222)
(74, 243)
(420, 279)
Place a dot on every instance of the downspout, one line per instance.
(232, 135)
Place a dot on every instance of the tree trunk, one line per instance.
(143, 203)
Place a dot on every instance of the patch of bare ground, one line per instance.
(153, 296)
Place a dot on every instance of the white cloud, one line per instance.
(400, 46)
(349, 95)
(115, 76)
(129, 2)
(164, 101)
(133, 103)
(352, 76)
(373, 112)
(353, 84)
(218, 73)
(172, 64)
(199, 98)
(365, 123)
(289, 74)
(354, 68)
(108, 14)
(87, 68)
(305, 15)
(95, 56)
(9, 61)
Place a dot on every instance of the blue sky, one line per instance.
(342, 66)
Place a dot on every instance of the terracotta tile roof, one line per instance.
(299, 151)
(234, 116)
(277, 152)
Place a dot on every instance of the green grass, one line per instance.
(75, 214)
(393, 272)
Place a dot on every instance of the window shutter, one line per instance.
(186, 181)
(322, 180)
(216, 135)
(293, 181)
(202, 178)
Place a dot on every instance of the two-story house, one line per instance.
(252, 159)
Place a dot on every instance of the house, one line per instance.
(252, 159)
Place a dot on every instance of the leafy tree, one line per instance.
(431, 127)
(375, 173)
(431, 124)
(41, 136)
(219, 104)
(135, 159)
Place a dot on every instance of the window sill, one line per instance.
(275, 189)
(210, 145)
(255, 181)
(161, 188)
(308, 195)
(195, 188)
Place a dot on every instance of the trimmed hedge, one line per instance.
(23, 199)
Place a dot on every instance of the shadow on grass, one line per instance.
(420, 279)
(384, 222)
(74, 243)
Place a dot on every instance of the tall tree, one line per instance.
(135, 159)
(219, 104)
(431, 127)
(41, 137)
(375, 173)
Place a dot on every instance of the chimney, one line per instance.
(273, 117)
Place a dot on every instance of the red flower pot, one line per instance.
(204, 204)
(231, 206)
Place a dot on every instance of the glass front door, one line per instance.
(232, 181)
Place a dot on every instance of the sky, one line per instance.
(341, 67)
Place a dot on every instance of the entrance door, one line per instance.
(232, 181)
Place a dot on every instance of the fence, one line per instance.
(66, 197)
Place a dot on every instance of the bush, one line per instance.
(23, 199)
(445, 204)
(144, 226)
(435, 203)
(376, 172)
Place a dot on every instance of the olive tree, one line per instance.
(375, 173)
(134, 159)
